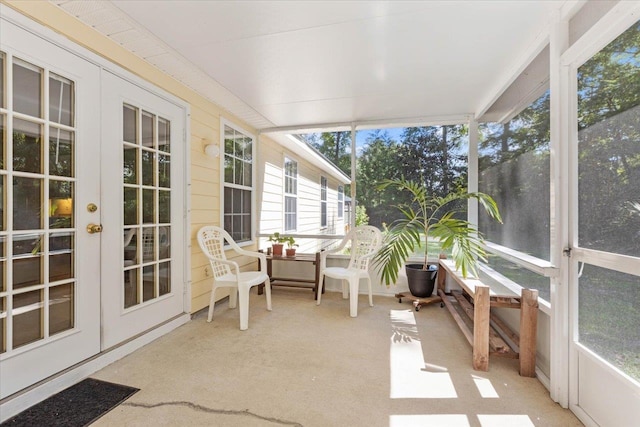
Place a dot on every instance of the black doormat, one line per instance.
(79, 405)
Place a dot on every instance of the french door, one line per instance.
(143, 206)
(92, 207)
(605, 260)
(49, 174)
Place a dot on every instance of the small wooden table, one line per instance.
(298, 283)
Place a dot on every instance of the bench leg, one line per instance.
(481, 315)
(528, 332)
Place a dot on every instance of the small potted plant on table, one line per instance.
(291, 246)
(277, 243)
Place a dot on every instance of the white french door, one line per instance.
(49, 174)
(143, 209)
(92, 206)
(605, 260)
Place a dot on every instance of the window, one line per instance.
(323, 202)
(290, 194)
(238, 183)
(515, 169)
(340, 201)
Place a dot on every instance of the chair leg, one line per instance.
(243, 292)
(212, 302)
(233, 298)
(345, 291)
(353, 297)
(320, 283)
(267, 289)
(370, 292)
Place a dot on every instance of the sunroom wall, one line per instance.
(204, 126)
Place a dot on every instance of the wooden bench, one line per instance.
(488, 334)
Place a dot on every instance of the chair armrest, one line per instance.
(262, 257)
(234, 265)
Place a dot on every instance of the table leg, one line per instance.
(315, 288)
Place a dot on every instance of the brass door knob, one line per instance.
(94, 228)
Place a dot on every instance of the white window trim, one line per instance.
(285, 194)
(340, 211)
(254, 142)
(325, 201)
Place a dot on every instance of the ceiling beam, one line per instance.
(371, 124)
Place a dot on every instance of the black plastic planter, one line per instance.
(421, 282)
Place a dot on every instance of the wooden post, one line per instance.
(528, 332)
(481, 316)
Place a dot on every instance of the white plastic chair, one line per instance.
(365, 242)
(227, 273)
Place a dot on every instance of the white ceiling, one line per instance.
(300, 64)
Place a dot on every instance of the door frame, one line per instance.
(20, 401)
(610, 26)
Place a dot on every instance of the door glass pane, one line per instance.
(148, 161)
(131, 287)
(164, 242)
(148, 209)
(129, 120)
(130, 165)
(164, 135)
(164, 170)
(164, 206)
(164, 278)
(60, 100)
(27, 318)
(3, 325)
(61, 152)
(609, 318)
(147, 130)
(27, 88)
(27, 147)
(3, 265)
(148, 245)
(148, 285)
(130, 206)
(130, 252)
(2, 91)
(3, 140)
(60, 204)
(60, 256)
(27, 203)
(60, 308)
(27, 265)
(609, 147)
(2, 204)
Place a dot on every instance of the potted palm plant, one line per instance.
(427, 215)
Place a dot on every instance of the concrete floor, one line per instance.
(308, 365)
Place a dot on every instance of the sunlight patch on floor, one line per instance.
(411, 377)
(505, 421)
(432, 420)
(485, 388)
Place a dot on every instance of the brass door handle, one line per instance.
(94, 228)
